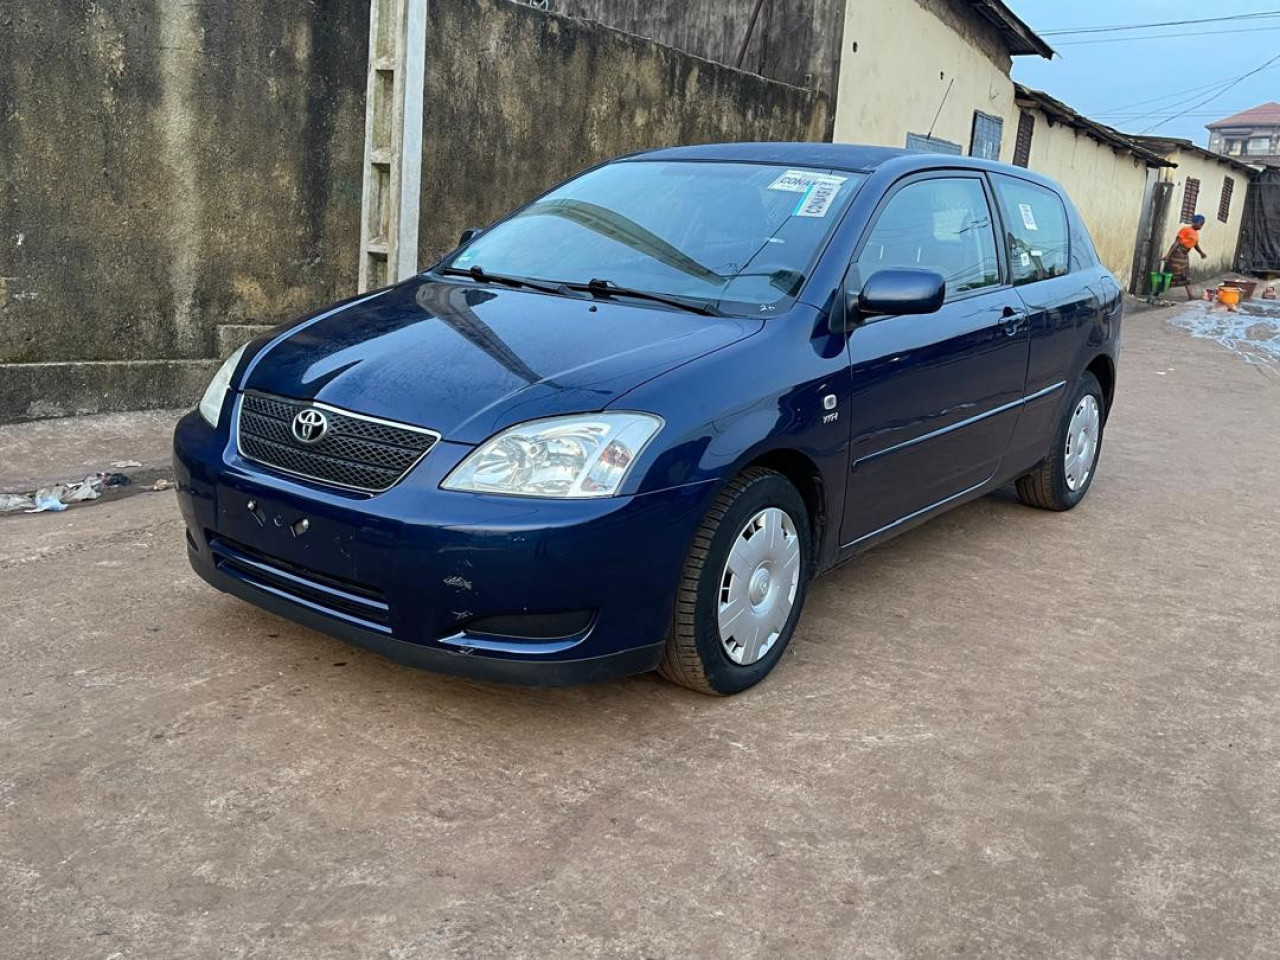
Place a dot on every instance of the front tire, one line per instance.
(1063, 478)
(742, 588)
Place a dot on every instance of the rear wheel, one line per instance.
(1063, 478)
(742, 588)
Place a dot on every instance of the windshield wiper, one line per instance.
(479, 274)
(607, 288)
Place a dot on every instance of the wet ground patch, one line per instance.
(1253, 333)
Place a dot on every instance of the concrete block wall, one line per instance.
(168, 168)
(174, 176)
(795, 41)
(518, 99)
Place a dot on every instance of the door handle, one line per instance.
(1011, 321)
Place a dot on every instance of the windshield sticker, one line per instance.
(799, 181)
(817, 200)
(1028, 218)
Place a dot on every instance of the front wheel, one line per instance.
(742, 587)
(1063, 478)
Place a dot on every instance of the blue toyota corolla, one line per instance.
(622, 428)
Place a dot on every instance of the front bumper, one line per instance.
(405, 573)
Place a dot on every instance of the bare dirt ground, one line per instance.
(1008, 733)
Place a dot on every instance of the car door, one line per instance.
(935, 397)
(1068, 296)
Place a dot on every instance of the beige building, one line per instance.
(934, 75)
(931, 74)
(1200, 182)
(1109, 177)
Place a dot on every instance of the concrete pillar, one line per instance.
(392, 141)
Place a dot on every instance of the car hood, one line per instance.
(468, 361)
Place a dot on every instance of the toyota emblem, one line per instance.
(310, 426)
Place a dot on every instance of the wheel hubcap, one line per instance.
(758, 585)
(1082, 442)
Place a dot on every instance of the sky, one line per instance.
(1136, 85)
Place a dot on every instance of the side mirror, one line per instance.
(898, 292)
(468, 235)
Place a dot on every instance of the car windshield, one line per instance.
(739, 235)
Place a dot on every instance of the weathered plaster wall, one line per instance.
(169, 169)
(518, 99)
(169, 166)
(795, 41)
(1107, 187)
(1218, 240)
(906, 61)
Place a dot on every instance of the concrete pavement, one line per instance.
(43, 452)
(1006, 734)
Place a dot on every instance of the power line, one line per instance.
(1147, 26)
(1169, 108)
(1166, 36)
(1214, 96)
(1143, 116)
(1172, 94)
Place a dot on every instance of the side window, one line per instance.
(943, 225)
(1036, 230)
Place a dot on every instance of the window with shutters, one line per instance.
(1190, 197)
(1224, 205)
(988, 131)
(1022, 146)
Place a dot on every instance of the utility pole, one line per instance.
(392, 141)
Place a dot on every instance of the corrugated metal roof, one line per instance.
(1265, 115)
(1018, 37)
(1167, 145)
(1059, 112)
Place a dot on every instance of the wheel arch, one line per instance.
(805, 475)
(1104, 368)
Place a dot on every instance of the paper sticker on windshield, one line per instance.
(799, 181)
(1028, 218)
(817, 200)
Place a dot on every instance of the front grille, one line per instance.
(357, 452)
(356, 603)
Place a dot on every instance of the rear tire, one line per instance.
(754, 594)
(1063, 478)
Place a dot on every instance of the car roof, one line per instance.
(842, 156)
(855, 157)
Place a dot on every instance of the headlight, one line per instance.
(586, 455)
(211, 403)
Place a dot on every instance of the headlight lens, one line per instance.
(586, 455)
(211, 403)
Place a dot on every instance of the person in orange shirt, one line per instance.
(1178, 260)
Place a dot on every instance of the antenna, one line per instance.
(940, 106)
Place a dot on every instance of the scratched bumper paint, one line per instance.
(439, 559)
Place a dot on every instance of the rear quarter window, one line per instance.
(1083, 253)
(1037, 230)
